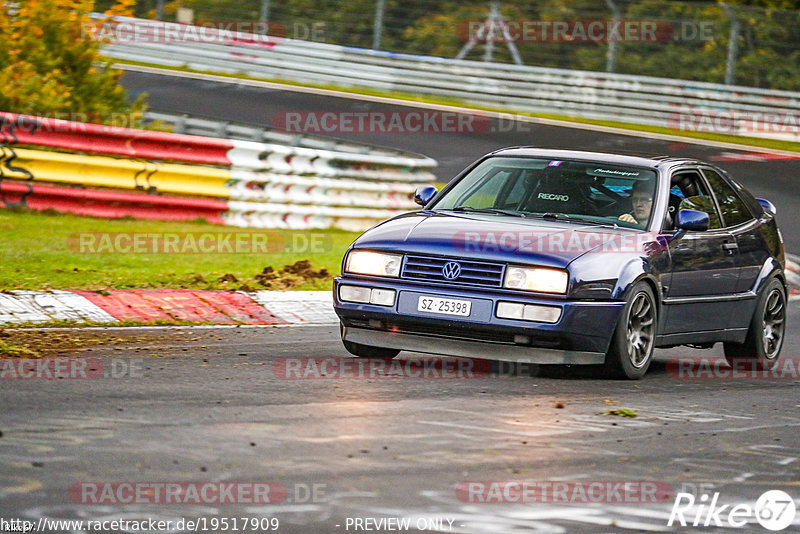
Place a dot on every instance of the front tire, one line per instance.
(633, 344)
(764, 340)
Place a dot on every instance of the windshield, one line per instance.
(559, 189)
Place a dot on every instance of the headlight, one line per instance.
(536, 279)
(374, 263)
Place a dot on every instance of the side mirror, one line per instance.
(424, 194)
(768, 206)
(692, 220)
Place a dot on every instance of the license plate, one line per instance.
(446, 306)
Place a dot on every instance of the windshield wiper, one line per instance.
(564, 217)
(468, 209)
(552, 215)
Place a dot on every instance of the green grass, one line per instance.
(15, 350)
(790, 146)
(41, 250)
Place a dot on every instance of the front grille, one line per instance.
(474, 273)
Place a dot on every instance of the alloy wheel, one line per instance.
(773, 323)
(641, 330)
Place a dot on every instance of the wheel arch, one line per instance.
(770, 268)
(632, 275)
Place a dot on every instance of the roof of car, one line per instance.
(637, 159)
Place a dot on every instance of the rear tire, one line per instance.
(632, 346)
(764, 340)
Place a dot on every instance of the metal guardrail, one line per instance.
(194, 125)
(123, 174)
(229, 181)
(596, 95)
(266, 155)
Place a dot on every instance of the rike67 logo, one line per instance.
(774, 510)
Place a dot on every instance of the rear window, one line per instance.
(734, 211)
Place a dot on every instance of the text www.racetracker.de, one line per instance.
(199, 524)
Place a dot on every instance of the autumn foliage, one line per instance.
(50, 64)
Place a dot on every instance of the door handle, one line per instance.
(730, 246)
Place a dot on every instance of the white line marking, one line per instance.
(498, 430)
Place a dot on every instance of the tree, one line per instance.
(50, 63)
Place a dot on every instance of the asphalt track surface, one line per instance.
(211, 405)
(218, 409)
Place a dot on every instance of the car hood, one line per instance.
(493, 237)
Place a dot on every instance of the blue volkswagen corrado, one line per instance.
(565, 257)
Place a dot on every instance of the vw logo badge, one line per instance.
(451, 270)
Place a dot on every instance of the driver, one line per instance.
(642, 202)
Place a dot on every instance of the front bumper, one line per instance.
(580, 336)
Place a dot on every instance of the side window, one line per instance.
(755, 208)
(484, 194)
(515, 193)
(734, 210)
(688, 192)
